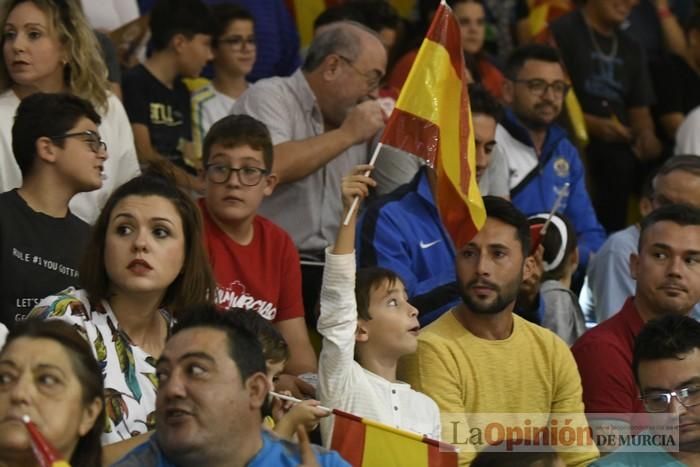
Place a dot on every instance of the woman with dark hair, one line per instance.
(145, 261)
(47, 371)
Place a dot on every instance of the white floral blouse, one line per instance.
(128, 372)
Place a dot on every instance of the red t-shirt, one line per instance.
(604, 359)
(264, 275)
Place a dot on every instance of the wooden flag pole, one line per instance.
(356, 200)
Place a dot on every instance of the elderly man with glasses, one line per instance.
(543, 164)
(321, 120)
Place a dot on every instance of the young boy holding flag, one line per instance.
(367, 324)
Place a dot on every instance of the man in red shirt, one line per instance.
(667, 271)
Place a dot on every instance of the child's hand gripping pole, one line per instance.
(356, 200)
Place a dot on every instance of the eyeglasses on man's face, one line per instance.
(247, 175)
(373, 77)
(659, 401)
(92, 139)
(539, 87)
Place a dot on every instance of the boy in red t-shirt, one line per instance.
(255, 262)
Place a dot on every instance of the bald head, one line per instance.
(346, 38)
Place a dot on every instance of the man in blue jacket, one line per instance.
(402, 231)
(540, 157)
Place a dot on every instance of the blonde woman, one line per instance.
(47, 46)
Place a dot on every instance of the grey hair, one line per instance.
(340, 38)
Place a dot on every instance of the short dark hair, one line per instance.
(274, 347)
(366, 281)
(552, 244)
(171, 17)
(519, 56)
(506, 212)
(239, 130)
(671, 336)
(46, 115)
(677, 213)
(482, 102)
(88, 451)
(224, 14)
(194, 284)
(244, 348)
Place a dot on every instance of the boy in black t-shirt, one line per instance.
(60, 154)
(155, 98)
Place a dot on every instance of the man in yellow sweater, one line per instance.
(481, 358)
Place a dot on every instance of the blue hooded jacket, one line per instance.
(535, 188)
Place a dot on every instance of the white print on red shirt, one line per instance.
(235, 296)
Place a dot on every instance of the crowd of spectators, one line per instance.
(185, 280)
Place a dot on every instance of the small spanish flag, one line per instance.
(432, 120)
(45, 453)
(366, 443)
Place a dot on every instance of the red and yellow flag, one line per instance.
(432, 120)
(365, 443)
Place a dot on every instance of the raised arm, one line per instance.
(338, 319)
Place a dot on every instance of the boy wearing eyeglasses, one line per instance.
(58, 149)
(255, 262)
(234, 47)
(666, 366)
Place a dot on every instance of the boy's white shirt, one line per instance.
(343, 383)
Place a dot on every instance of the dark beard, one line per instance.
(535, 123)
(503, 297)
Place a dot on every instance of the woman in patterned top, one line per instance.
(144, 262)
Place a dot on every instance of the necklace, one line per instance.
(596, 46)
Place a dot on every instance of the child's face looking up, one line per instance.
(393, 329)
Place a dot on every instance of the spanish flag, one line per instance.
(432, 120)
(45, 453)
(365, 443)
